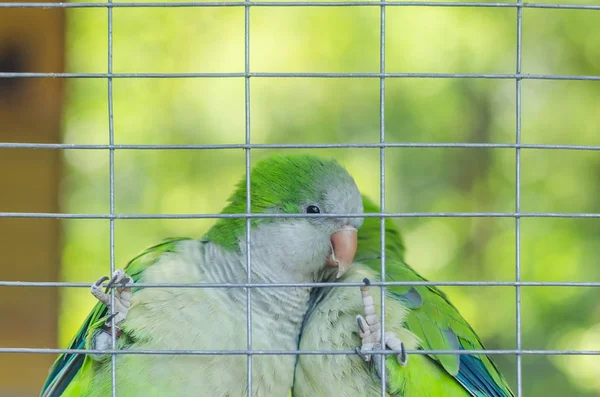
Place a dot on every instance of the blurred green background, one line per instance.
(340, 110)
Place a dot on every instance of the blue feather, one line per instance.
(476, 379)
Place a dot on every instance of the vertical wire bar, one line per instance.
(248, 195)
(518, 199)
(382, 187)
(111, 162)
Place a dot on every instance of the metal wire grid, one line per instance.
(518, 200)
(110, 4)
(247, 146)
(382, 184)
(248, 203)
(111, 140)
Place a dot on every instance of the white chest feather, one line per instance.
(208, 319)
(332, 326)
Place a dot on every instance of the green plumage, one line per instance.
(423, 312)
(432, 317)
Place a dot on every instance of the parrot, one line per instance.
(282, 249)
(416, 317)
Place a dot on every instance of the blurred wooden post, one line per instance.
(31, 40)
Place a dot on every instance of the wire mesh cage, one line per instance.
(105, 144)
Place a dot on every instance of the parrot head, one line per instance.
(298, 184)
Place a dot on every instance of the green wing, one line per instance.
(432, 317)
(70, 368)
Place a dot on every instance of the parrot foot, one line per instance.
(122, 298)
(369, 331)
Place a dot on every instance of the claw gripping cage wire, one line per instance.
(382, 145)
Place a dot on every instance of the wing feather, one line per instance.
(431, 317)
(70, 366)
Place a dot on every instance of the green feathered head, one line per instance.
(293, 185)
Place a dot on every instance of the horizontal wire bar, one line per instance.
(46, 215)
(314, 285)
(290, 352)
(226, 146)
(303, 4)
(506, 76)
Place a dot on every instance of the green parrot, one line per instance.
(418, 317)
(282, 250)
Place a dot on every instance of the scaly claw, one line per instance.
(99, 282)
(119, 277)
(369, 331)
(122, 297)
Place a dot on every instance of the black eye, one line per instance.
(313, 209)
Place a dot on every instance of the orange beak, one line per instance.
(343, 249)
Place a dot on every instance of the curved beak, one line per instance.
(343, 248)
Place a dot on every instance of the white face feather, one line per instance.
(290, 251)
(295, 249)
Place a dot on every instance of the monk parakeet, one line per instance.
(418, 317)
(282, 250)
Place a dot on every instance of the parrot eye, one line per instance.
(313, 209)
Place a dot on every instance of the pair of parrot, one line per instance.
(282, 249)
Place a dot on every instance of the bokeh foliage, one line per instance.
(337, 110)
